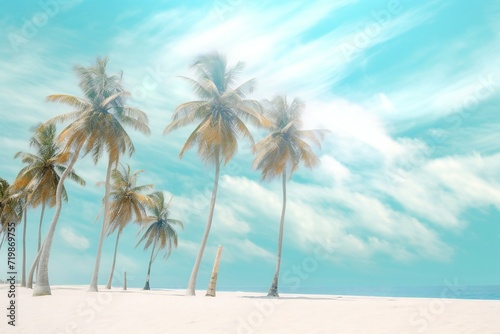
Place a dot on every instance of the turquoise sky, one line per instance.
(408, 190)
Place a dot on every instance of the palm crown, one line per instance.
(221, 109)
(286, 146)
(43, 168)
(127, 200)
(99, 116)
(10, 206)
(161, 229)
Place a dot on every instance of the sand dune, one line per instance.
(71, 309)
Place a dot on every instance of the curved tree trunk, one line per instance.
(273, 291)
(34, 266)
(23, 273)
(146, 286)
(192, 280)
(110, 279)
(42, 276)
(95, 276)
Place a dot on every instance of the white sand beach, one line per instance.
(71, 309)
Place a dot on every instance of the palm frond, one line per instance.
(70, 100)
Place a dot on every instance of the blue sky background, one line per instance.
(408, 191)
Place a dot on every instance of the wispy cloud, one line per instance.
(74, 239)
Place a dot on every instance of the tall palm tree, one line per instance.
(127, 203)
(160, 232)
(96, 127)
(281, 152)
(40, 176)
(220, 113)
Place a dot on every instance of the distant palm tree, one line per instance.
(11, 209)
(127, 203)
(160, 232)
(281, 152)
(4, 185)
(41, 175)
(220, 113)
(97, 127)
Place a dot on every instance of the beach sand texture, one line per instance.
(71, 309)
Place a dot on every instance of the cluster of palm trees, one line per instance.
(221, 115)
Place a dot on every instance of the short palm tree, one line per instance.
(97, 127)
(127, 203)
(160, 232)
(220, 114)
(281, 152)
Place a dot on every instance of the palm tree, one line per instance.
(4, 185)
(127, 203)
(41, 175)
(220, 113)
(11, 209)
(96, 127)
(281, 152)
(161, 232)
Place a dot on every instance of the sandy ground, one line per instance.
(71, 309)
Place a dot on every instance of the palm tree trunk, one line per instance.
(273, 291)
(39, 234)
(3, 239)
(93, 284)
(146, 286)
(40, 227)
(23, 274)
(110, 279)
(192, 280)
(215, 272)
(34, 266)
(42, 276)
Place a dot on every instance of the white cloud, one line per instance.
(441, 190)
(73, 239)
(356, 225)
(247, 250)
(442, 88)
(352, 128)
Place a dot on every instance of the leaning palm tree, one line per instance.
(281, 152)
(40, 176)
(96, 127)
(160, 232)
(127, 203)
(42, 171)
(220, 114)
